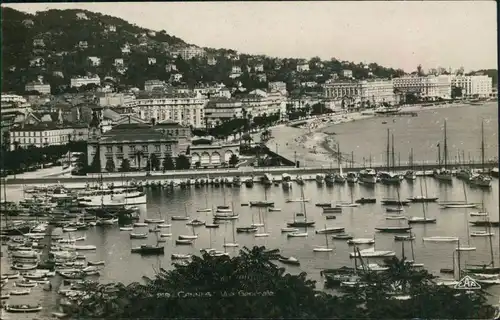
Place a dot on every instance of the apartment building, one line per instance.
(473, 86)
(185, 109)
(39, 86)
(151, 85)
(188, 53)
(118, 100)
(223, 109)
(45, 134)
(427, 87)
(82, 81)
(377, 91)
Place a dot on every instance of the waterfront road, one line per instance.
(205, 173)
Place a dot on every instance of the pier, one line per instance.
(225, 172)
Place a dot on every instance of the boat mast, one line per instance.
(482, 146)
(387, 152)
(411, 246)
(445, 148)
(303, 205)
(458, 258)
(393, 155)
(491, 244)
(326, 237)
(423, 203)
(465, 212)
(339, 157)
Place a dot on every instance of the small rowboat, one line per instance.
(24, 308)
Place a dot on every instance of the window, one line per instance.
(145, 148)
(168, 147)
(132, 148)
(109, 149)
(120, 149)
(157, 148)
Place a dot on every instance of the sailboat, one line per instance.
(468, 247)
(398, 210)
(481, 179)
(348, 204)
(326, 248)
(423, 219)
(259, 224)
(262, 234)
(422, 198)
(339, 177)
(443, 174)
(227, 214)
(264, 203)
(301, 223)
(234, 243)
(410, 174)
(488, 269)
(189, 237)
(182, 218)
(389, 177)
(207, 208)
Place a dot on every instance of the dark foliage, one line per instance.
(250, 285)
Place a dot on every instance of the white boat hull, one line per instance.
(322, 249)
(297, 234)
(261, 235)
(440, 239)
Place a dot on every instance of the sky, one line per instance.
(391, 33)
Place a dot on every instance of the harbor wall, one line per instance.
(205, 173)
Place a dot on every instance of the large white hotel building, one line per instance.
(373, 91)
(186, 109)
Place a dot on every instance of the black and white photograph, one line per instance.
(249, 160)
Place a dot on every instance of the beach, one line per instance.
(314, 143)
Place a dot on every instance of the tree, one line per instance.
(110, 165)
(95, 166)
(125, 165)
(168, 163)
(182, 162)
(456, 92)
(154, 162)
(233, 161)
(251, 285)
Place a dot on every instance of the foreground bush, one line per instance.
(252, 286)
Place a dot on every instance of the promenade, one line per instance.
(242, 172)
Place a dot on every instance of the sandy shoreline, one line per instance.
(310, 145)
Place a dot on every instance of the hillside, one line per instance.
(61, 44)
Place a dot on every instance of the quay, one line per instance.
(223, 172)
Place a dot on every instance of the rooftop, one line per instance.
(134, 132)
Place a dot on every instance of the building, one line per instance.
(44, 134)
(185, 109)
(83, 45)
(211, 61)
(94, 61)
(118, 100)
(126, 48)
(151, 61)
(188, 53)
(259, 68)
(38, 43)
(111, 28)
(430, 87)
(212, 155)
(377, 91)
(219, 110)
(302, 67)
(341, 89)
(136, 142)
(277, 86)
(175, 131)
(151, 85)
(473, 86)
(81, 16)
(176, 77)
(262, 77)
(37, 62)
(347, 73)
(39, 86)
(14, 98)
(170, 67)
(82, 81)
(119, 62)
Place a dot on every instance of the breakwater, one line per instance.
(226, 172)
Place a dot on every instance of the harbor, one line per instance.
(322, 215)
(111, 244)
